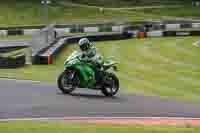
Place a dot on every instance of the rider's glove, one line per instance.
(99, 66)
(83, 56)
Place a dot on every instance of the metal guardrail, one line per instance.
(51, 53)
(105, 27)
(43, 39)
(104, 23)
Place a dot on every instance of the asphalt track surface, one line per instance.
(26, 99)
(7, 44)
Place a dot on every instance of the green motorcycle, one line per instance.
(80, 74)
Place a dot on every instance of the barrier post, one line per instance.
(141, 35)
(50, 59)
(28, 53)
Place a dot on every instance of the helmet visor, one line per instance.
(84, 47)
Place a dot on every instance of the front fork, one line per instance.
(68, 78)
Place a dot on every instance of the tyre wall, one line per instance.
(12, 62)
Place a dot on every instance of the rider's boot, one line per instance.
(99, 76)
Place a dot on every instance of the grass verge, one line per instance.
(13, 54)
(182, 12)
(166, 67)
(14, 38)
(61, 127)
(32, 13)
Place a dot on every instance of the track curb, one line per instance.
(138, 121)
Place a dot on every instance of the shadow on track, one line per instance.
(95, 97)
(91, 96)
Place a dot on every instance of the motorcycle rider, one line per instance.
(89, 54)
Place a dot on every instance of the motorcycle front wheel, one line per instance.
(67, 82)
(111, 85)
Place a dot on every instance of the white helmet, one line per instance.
(84, 44)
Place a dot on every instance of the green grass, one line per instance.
(166, 67)
(162, 67)
(48, 73)
(13, 54)
(186, 11)
(32, 13)
(18, 38)
(126, 3)
(61, 127)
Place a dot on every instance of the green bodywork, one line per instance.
(86, 70)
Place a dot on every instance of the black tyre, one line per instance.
(67, 82)
(111, 85)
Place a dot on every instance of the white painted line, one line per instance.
(155, 34)
(91, 29)
(31, 31)
(195, 25)
(197, 44)
(97, 118)
(3, 32)
(173, 26)
(16, 80)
